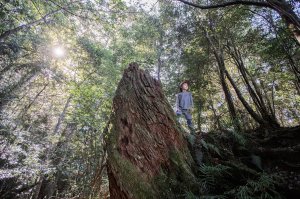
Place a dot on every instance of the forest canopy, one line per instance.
(61, 62)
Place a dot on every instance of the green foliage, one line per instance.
(190, 195)
(238, 137)
(212, 197)
(210, 147)
(44, 137)
(212, 176)
(264, 187)
(222, 179)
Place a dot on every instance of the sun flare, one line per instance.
(59, 51)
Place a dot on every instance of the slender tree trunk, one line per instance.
(62, 115)
(217, 118)
(268, 117)
(255, 116)
(254, 93)
(49, 187)
(228, 98)
(199, 111)
(218, 53)
(159, 53)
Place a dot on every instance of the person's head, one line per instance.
(184, 86)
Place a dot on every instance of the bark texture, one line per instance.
(148, 156)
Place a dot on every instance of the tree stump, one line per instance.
(148, 156)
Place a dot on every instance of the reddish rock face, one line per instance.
(143, 134)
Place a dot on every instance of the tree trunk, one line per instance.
(49, 187)
(159, 53)
(217, 123)
(267, 116)
(228, 97)
(255, 116)
(218, 53)
(286, 12)
(148, 156)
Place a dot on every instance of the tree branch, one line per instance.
(68, 11)
(17, 29)
(225, 4)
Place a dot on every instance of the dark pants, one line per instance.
(187, 116)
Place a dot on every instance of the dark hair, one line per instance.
(185, 81)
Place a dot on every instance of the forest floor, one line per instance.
(261, 163)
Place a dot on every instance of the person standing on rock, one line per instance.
(184, 104)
